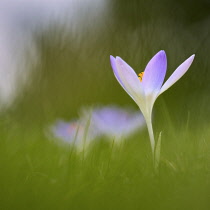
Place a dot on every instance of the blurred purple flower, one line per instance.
(110, 121)
(115, 122)
(66, 130)
(74, 132)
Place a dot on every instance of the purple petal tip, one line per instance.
(112, 61)
(162, 53)
(111, 58)
(191, 58)
(119, 60)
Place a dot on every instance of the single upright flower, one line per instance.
(148, 85)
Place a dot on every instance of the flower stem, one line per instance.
(151, 136)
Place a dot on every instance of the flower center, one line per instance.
(140, 75)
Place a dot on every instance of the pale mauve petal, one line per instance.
(114, 67)
(154, 73)
(128, 79)
(113, 121)
(178, 73)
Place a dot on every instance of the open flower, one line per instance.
(148, 85)
(67, 131)
(110, 121)
(74, 132)
(115, 122)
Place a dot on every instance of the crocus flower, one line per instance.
(115, 122)
(110, 121)
(145, 88)
(73, 132)
(67, 130)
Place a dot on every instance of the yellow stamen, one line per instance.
(141, 76)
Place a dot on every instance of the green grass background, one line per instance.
(37, 173)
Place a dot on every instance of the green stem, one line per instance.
(151, 136)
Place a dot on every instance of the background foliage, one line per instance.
(75, 72)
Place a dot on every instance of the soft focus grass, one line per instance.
(38, 173)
